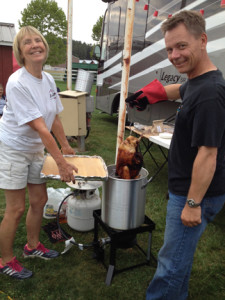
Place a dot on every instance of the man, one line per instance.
(196, 169)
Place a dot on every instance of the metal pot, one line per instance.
(123, 200)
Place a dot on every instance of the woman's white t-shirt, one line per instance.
(28, 98)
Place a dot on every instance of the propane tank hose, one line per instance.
(64, 234)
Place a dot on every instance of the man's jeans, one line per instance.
(175, 258)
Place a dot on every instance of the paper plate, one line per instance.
(165, 135)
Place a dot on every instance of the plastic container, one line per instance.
(55, 197)
(90, 105)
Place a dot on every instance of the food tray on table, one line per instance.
(89, 167)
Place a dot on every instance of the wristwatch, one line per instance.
(192, 203)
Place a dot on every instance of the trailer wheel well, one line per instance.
(116, 103)
(115, 107)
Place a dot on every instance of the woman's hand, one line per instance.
(68, 150)
(67, 171)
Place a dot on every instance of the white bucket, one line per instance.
(84, 81)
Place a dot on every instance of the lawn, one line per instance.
(77, 275)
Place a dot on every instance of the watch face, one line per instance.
(192, 203)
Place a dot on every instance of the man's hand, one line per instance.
(149, 94)
(191, 216)
(139, 103)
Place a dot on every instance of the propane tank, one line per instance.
(80, 209)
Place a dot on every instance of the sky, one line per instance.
(85, 15)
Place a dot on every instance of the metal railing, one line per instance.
(61, 75)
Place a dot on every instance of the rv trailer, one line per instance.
(149, 57)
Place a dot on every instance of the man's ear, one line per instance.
(204, 40)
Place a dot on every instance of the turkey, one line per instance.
(129, 160)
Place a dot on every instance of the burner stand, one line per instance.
(115, 238)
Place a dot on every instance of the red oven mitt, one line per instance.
(149, 94)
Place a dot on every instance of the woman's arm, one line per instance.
(59, 133)
(66, 170)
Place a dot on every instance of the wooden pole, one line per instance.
(125, 72)
(69, 44)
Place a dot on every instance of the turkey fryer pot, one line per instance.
(123, 200)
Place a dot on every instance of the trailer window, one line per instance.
(104, 55)
(139, 31)
(114, 29)
(165, 8)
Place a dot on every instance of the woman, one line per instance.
(31, 112)
(2, 100)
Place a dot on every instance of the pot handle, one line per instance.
(149, 180)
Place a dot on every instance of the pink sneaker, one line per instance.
(40, 251)
(14, 269)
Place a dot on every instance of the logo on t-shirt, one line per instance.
(6, 102)
(52, 94)
(179, 108)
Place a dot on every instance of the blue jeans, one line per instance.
(175, 258)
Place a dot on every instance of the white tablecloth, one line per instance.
(160, 141)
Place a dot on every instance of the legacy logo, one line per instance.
(168, 78)
(52, 94)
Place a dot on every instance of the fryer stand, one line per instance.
(116, 235)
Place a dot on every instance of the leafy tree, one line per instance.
(50, 20)
(81, 50)
(97, 29)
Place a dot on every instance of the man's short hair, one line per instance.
(192, 20)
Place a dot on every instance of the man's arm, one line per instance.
(152, 93)
(173, 91)
(202, 174)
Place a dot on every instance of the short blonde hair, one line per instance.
(18, 38)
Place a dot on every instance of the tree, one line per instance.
(81, 50)
(50, 20)
(97, 30)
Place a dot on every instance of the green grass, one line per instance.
(76, 275)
